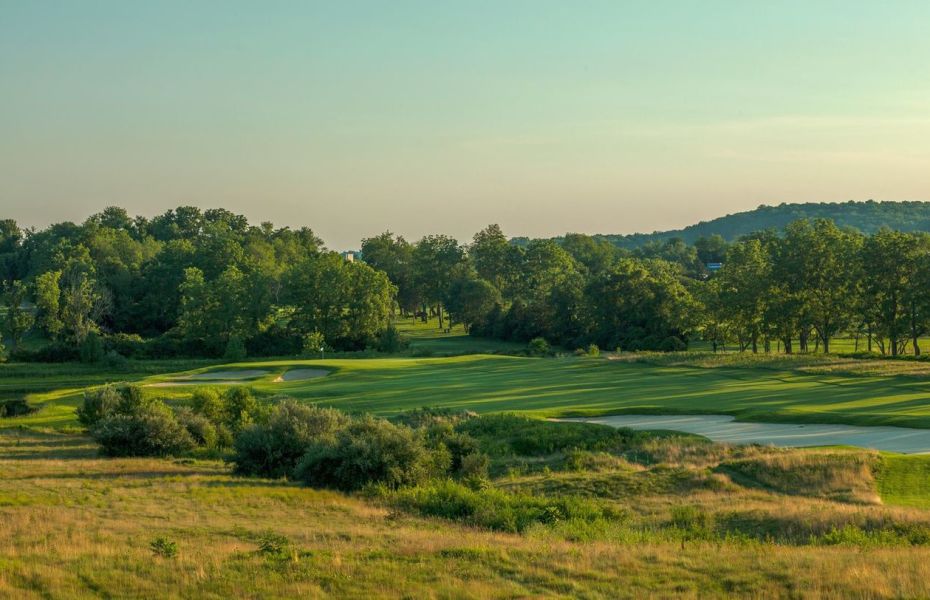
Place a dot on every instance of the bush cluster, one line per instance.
(327, 448)
(125, 422)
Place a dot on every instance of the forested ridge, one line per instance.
(865, 217)
(208, 283)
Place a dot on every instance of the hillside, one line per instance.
(867, 217)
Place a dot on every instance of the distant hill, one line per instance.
(867, 217)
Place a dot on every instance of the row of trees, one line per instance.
(208, 283)
(197, 282)
(817, 281)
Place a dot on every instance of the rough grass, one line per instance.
(843, 476)
(77, 526)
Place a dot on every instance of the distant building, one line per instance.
(349, 255)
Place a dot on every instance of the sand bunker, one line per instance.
(301, 374)
(214, 378)
(723, 428)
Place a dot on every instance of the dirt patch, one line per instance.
(301, 374)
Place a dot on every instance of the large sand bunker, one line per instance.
(301, 374)
(214, 378)
(723, 428)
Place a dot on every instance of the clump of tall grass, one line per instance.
(495, 509)
(845, 476)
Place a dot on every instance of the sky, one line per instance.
(357, 117)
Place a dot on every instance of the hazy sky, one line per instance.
(435, 116)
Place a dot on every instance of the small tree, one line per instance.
(18, 320)
(91, 349)
(235, 349)
(314, 343)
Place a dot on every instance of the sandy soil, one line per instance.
(723, 428)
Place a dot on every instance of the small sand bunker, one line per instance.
(301, 374)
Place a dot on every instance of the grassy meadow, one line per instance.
(685, 517)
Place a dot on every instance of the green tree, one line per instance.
(48, 303)
(744, 289)
(470, 298)
(18, 319)
(435, 258)
(824, 260)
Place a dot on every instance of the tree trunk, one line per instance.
(439, 312)
(787, 342)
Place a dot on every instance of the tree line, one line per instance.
(188, 282)
(208, 283)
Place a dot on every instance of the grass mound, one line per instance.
(842, 476)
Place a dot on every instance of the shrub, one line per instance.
(164, 547)
(126, 344)
(368, 450)
(151, 429)
(241, 409)
(391, 341)
(91, 349)
(672, 344)
(16, 407)
(207, 402)
(538, 347)
(458, 445)
(313, 343)
(593, 350)
(274, 449)
(274, 545)
(115, 360)
(201, 430)
(235, 348)
(107, 401)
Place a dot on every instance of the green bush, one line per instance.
(369, 450)
(208, 403)
(163, 547)
(391, 341)
(492, 508)
(241, 409)
(91, 348)
(235, 349)
(538, 347)
(107, 401)
(275, 448)
(151, 429)
(200, 428)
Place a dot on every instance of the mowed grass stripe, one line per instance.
(571, 387)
